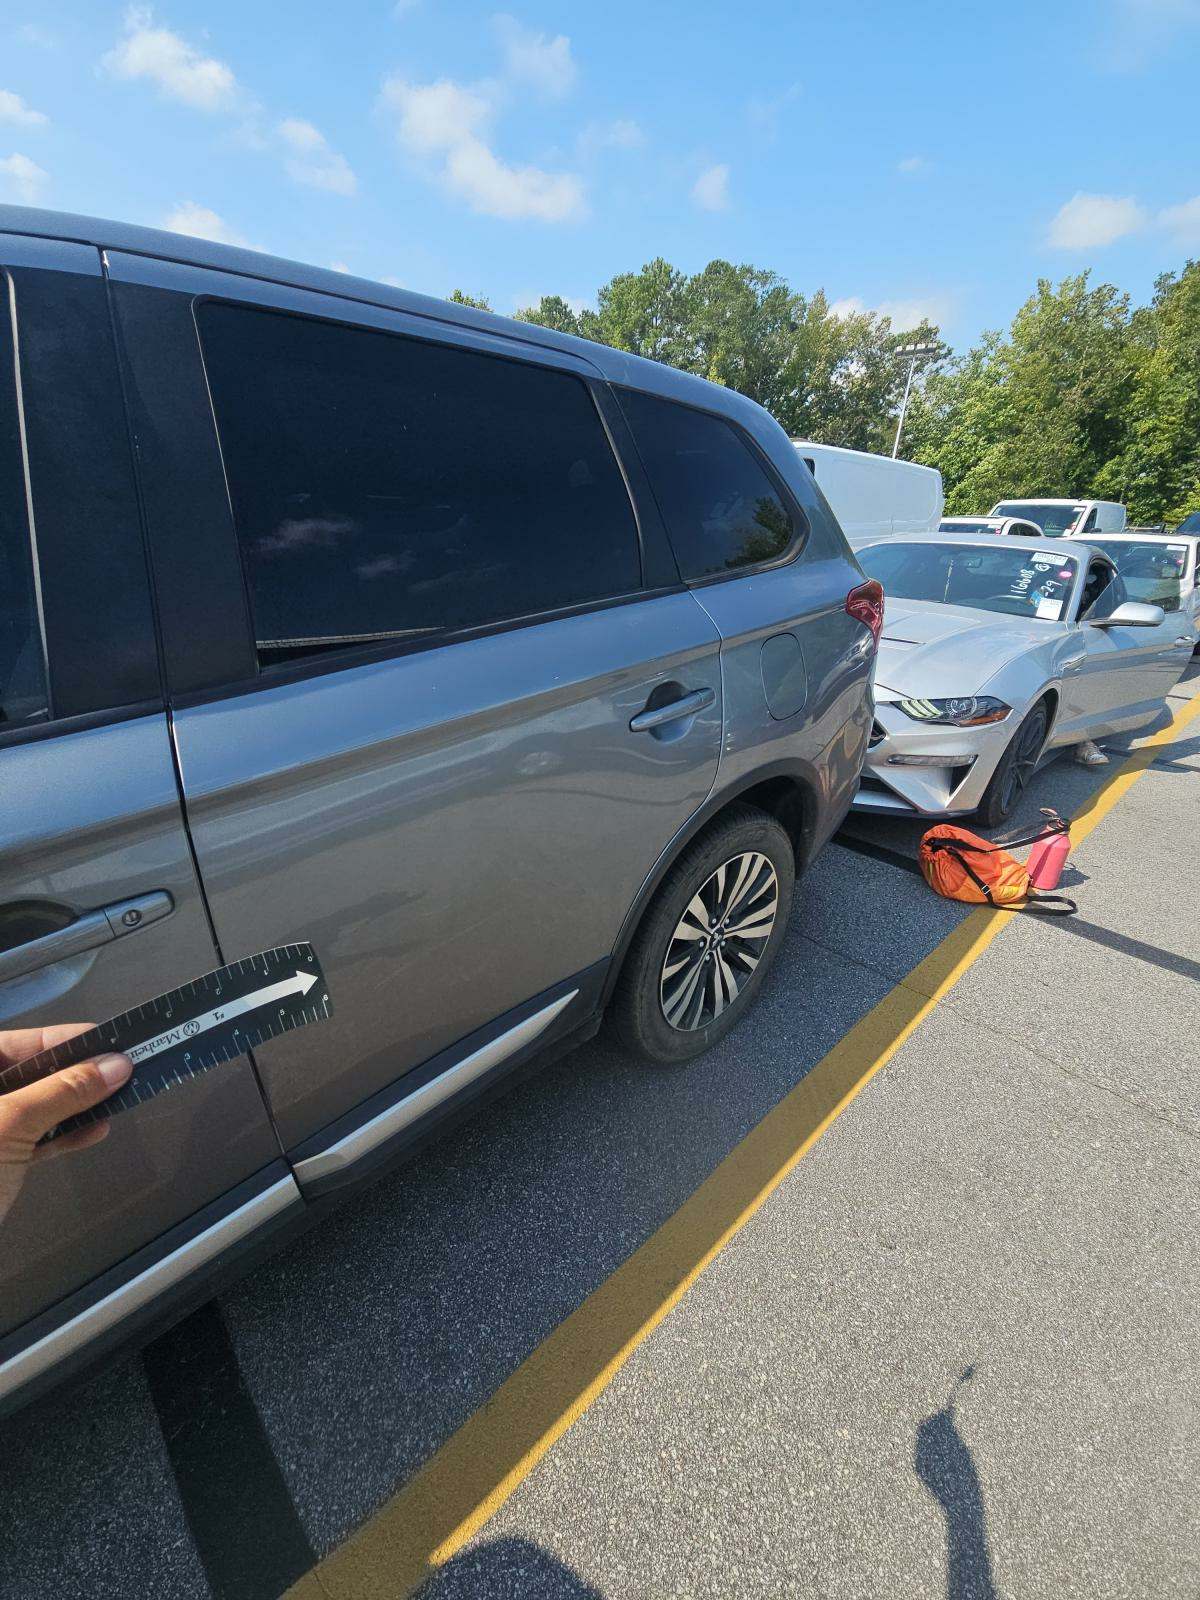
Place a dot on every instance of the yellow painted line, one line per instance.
(470, 1477)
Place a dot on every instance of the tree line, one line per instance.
(1085, 394)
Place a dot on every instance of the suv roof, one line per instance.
(618, 366)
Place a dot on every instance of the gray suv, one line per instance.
(517, 674)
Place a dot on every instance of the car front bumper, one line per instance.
(957, 764)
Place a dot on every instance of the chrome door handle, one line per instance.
(687, 706)
(88, 932)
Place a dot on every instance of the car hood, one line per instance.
(929, 649)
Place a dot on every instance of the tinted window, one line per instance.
(385, 487)
(22, 667)
(1103, 592)
(721, 509)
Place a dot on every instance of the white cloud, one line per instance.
(545, 64)
(311, 161)
(1183, 221)
(14, 109)
(1089, 221)
(177, 68)
(912, 164)
(764, 112)
(22, 177)
(711, 189)
(198, 222)
(448, 125)
(904, 314)
(620, 134)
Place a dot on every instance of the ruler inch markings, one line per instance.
(227, 1012)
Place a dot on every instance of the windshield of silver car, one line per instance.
(1152, 571)
(1016, 582)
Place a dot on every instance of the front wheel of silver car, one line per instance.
(704, 947)
(1015, 769)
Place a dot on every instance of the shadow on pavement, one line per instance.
(946, 1467)
(507, 1569)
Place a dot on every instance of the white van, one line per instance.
(874, 495)
(1066, 519)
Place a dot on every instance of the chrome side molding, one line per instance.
(352, 1146)
(80, 1330)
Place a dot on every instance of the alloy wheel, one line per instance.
(719, 941)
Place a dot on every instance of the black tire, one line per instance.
(637, 1014)
(1015, 768)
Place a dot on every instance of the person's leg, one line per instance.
(1089, 754)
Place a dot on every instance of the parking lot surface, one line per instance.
(614, 1337)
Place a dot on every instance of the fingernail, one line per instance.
(114, 1070)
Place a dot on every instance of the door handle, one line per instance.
(686, 706)
(87, 932)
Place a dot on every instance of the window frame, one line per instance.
(801, 526)
(92, 656)
(327, 660)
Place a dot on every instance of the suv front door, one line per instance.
(433, 765)
(91, 822)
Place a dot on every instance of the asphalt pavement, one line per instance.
(953, 1353)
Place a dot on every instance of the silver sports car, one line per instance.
(996, 652)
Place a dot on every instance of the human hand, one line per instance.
(29, 1113)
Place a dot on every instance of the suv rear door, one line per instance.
(91, 822)
(767, 562)
(431, 621)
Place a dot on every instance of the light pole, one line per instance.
(915, 351)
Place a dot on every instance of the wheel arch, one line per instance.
(785, 790)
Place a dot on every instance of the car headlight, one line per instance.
(962, 711)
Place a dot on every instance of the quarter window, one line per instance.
(385, 488)
(721, 509)
(23, 695)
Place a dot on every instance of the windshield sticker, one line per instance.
(1049, 610)
(1051, 557)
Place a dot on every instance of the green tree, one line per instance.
(551, 311)
(646, 312)
(461, 299)
(1157, 470)
(1042, 412)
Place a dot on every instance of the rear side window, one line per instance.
(383, 487)
(721, 509)
(23, 696)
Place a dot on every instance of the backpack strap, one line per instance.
(1053, 824)
(1047, 905)
(952, 846)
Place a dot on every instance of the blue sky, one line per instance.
(931, 158)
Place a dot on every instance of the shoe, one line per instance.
(1089, 754)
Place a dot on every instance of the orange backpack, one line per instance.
(962, 866)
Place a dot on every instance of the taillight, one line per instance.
(865, 605)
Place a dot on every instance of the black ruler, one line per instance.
(191, 1030)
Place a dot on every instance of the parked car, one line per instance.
(1009, 526)
(995, 653)
(1067, 519)
(1160, 568)
(872, 495)
(519, 675)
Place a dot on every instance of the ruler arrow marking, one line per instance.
(298, 983)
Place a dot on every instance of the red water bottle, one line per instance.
(1047, 859)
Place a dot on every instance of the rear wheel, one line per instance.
(704, 947)
(1016, 767)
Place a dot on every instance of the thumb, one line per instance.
(40, 1106)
